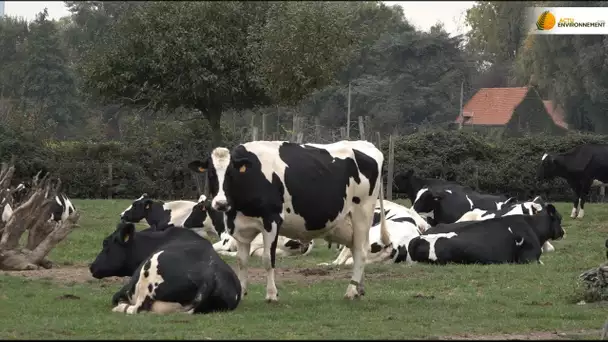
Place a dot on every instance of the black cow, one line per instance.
(507, 239)
(174, 265)
(301, 191)
(579, 167)
(408, 183)
(185, 214)
(447, 203)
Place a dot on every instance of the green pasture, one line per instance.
(402, 302)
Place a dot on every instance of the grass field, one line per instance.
(419, 301)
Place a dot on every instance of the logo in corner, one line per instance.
(546, 21)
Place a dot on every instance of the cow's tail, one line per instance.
(384, 235)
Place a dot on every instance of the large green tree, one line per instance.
(48, 83)
(178, 54)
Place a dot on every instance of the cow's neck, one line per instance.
(541, 224)
(156, 216)
(143, 246)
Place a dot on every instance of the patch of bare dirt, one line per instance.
(546, 335)
(80, 274)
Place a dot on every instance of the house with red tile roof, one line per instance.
(516, 109)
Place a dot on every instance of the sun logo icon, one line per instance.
(546, 21)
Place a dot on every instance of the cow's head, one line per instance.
(224, 172)
(555, 222)
(113, 260)
(547, 168)
(303, 247)
(137, 210)
(204, 216)
(426, 201)
(403, 182)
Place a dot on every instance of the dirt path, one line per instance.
(530, 336)
(80, 274)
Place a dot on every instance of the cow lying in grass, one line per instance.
(525, 208)
(285, 246)
(403, 225)
(198, 216)
(507, 239)
(173, 270)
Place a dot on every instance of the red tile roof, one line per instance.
(556, 113)
(493, 106)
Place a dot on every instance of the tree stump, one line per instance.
(32, 215)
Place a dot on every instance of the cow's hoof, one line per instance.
(573, 213)
(581, 213)
(351, 293)
(121, 307)
(272, 298)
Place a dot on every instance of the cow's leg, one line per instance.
(270, 237)
(361, 222)
(548, 247)
(585, 189)
(242, 257)
(575, 185)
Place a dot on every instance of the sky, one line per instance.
(422, 14)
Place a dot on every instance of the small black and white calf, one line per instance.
(285, 246)
(198, 216)
(524, 208)
(506, 239)
(301, 191)
(172, 270)
(579, 167)
(402, 223)
(447, 203)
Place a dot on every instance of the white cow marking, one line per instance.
(131, 206)
(419, 193)
(544, 156)
(141, 288)
(470, 202)
(432, 239)
(221, 159)
(449, 191)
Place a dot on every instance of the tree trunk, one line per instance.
(214, 118)
(32, 215)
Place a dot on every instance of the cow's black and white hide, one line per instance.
(579, 167)
(172, 270)
(301, 191)
(285, 246)
(524, 208)
(61, 208)
(198, 216)
(408, 183)
(447, 203)
(403, 224)
(506, 239)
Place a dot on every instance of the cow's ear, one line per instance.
(147, 203)
(126, 231)
(198, 166)
(241, 164)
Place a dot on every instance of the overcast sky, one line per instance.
(422, 14)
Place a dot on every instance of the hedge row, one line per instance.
(158, 166)
(508, 166)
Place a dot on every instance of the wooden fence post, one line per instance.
(343, 133)
(254, 133)
(294, 128)
(361, 128)
(391, 167)
(263, 126)
(317, 130)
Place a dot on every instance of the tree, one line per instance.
(13, 33)
(169, 55)
(48, 82)
(497, 31)
(301, 47)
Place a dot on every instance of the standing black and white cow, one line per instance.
(447, 203)
(579, 167)
(408, 183)
(301, 191)
(198, 216)
(172, 270)
(506, 239)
